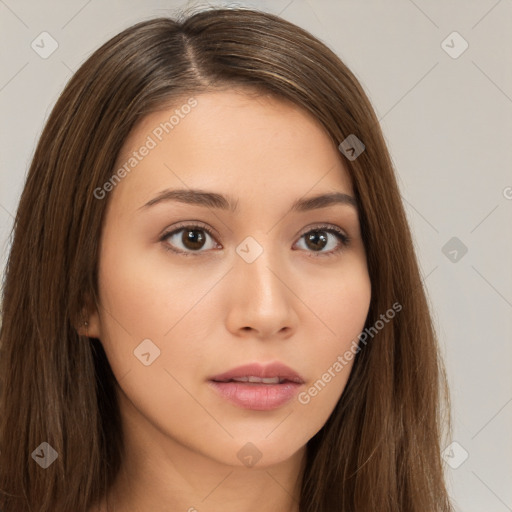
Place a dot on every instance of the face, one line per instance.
(215, 255)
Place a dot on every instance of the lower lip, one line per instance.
(258, 397)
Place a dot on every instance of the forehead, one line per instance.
(232, 142)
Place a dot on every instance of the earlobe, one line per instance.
(89, 325)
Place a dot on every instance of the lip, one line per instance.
(258, 396)
(261, 370)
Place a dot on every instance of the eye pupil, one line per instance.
(193, 238)
(318, 239)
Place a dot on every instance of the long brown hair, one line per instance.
(380, 448)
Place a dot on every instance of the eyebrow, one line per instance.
(219, 201)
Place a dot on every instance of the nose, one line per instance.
(261, 299)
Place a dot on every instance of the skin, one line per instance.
(210, 311)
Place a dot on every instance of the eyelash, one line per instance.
(342, 237)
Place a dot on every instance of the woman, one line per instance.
(212, 300)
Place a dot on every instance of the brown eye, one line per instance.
(324, 240)
(189, 239)
(193, 239)
(316, 240)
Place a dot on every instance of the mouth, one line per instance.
(256, 380)
(260, 373)
(258, 387)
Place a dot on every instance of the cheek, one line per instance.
(144, 294)
(144, 298)
(152, 329)
(341, 302)
(342, 305)
(133, 303)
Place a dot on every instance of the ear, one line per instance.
(90, 324)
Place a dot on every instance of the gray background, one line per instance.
(448, 124)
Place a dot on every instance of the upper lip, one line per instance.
(260, 370)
